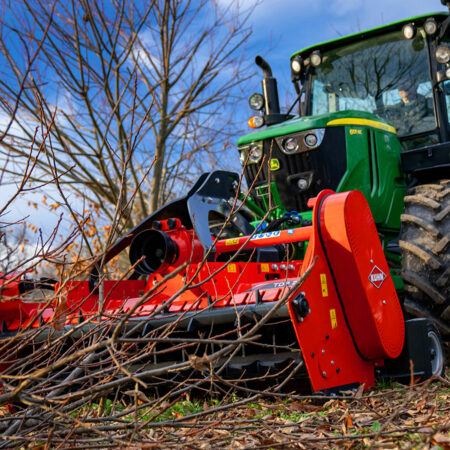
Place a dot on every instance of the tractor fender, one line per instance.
(361, 275)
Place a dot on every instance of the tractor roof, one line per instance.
(441, 15)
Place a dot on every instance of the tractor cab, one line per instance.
(398, 73)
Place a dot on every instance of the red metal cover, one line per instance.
(361, 273)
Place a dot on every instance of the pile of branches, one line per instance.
(103, 389)
(109, 379)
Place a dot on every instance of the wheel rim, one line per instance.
(437, 355)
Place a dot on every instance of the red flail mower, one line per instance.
(334, 311)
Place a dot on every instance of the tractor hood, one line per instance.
(350, 117)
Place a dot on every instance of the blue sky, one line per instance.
(281, 27)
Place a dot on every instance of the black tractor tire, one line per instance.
(425, 247)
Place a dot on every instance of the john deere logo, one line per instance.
(377, 277)
(274, 164)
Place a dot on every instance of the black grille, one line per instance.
(326, 163)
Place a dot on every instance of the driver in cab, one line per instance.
(407, 115)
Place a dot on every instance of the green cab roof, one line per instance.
(440, 15)
(349, 117)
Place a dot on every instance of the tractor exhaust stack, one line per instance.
(270, 91)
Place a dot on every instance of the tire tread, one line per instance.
(425, 246)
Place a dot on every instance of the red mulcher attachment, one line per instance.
(346, 314)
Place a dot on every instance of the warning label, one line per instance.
(377, 277)
(324, 285)
(333, 318)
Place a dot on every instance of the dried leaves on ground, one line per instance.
(388, 416)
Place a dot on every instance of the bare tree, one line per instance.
(127, 86)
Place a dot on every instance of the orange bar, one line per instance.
(265, 239)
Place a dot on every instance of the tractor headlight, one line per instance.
(303, 141)
(430, 26)
(316, 58)
(251, 153)
(409, 30)
(442, 54)
(290, 145)
(311, 140)
(296, 64)
(255, 154)
(256, 102)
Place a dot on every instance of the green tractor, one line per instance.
(372, 113)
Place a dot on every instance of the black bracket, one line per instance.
(300, 306)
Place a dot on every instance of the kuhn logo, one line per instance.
(377, 277)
